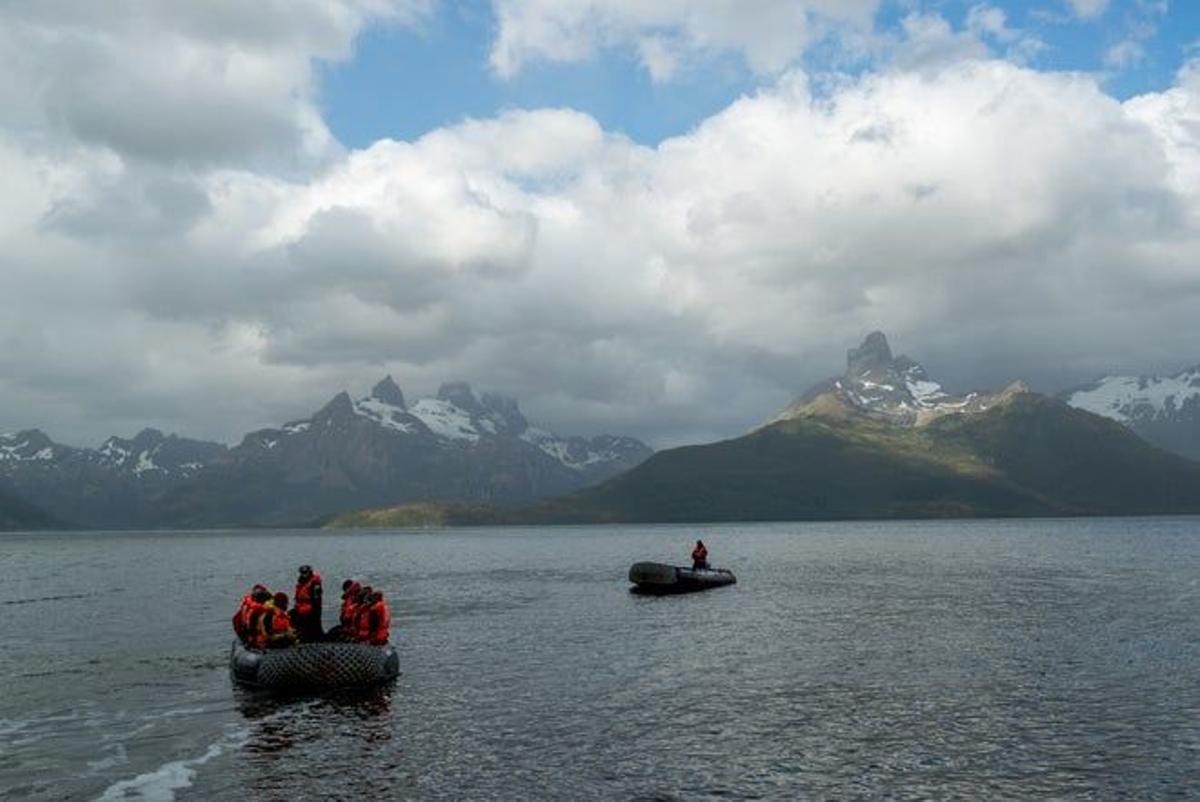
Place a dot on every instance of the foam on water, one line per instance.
(161, 784)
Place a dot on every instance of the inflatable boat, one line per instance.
(657, 578)
(314, 666)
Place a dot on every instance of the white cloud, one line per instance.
(995, 220)
(770, 36)
(192, 83)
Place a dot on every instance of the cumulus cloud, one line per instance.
(665, 32)
(997, 221)
(194, 83)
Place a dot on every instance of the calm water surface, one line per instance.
(895, 660)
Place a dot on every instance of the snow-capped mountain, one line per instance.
(456, 419)
(1164, 410)
(376, 450)
(897, 389)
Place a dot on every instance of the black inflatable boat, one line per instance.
(658, 578)
(314, 666)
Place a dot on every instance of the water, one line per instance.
(901, 660)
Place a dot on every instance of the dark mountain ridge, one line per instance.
(349, 454)
(881, 441)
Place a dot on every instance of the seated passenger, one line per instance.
(350, 590)
(699, 556)
(241, 617)
(249, 617)
(275, 626)
(344, 631)
(374, 620)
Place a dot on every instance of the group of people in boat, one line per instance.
(263, 620)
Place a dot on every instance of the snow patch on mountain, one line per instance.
(383, 413)
(445, 419)
(896, 389)
(1131, 398)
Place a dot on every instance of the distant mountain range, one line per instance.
(349, 454)
(881, 441)
(1165, 410)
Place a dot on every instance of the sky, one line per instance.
(648, 217)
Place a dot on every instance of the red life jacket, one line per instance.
(379, 622)
(275, 626)
(239, 618)
(252, 624)
(700, 554)
(362, 622)
(304, 595)
(349, 607)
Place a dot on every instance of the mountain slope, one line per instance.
(881, 441)
(18, 514)
(1029, 455)
(1165, 410)
(349, 454)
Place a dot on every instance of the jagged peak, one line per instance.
(149, 435)
(460, 395)
(873, 353)
(31, 436)
(340, 404)
(389, 392)
(507, 408)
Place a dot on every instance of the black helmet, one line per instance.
(306, 569)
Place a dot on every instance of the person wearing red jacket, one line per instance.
(350, 590)
(699, 556)
(275, 625)
(246, 619)
(374, 620)
(306, 615)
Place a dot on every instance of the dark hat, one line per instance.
(306, 569)
(281, 600)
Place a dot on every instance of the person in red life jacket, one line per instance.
(350, 590)
(375, 620)
(252, 614)
(362, 605)
(344, 631)
(242, 616)
(306, 616)
(699, 556)
(275, 625)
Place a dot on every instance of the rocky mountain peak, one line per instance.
(460, 395)
(507, 410)
(339, 407)
(389, 393)
(148, 438)
(895, 389)
(873, 354)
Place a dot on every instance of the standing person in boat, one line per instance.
(306, 616)
(699, 556)
(275, 625)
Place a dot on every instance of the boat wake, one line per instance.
(161, 784)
